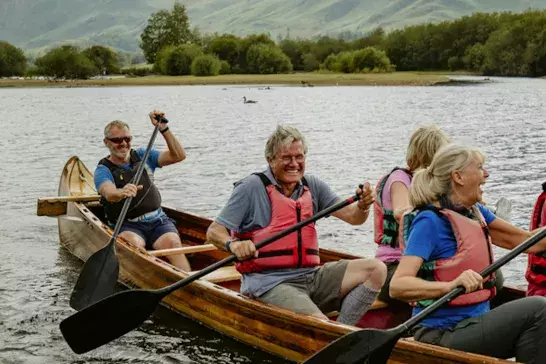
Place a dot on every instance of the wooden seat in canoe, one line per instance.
(223, 274)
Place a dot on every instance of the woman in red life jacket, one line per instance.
(536, 267)
(448, 242)
(393, 197)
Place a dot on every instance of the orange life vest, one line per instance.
(536, 263)
(385, 225)
(474, 251)
(296, 250)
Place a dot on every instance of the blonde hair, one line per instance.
(429, 184)
(424, 143)
(114, 124)
(282, 137)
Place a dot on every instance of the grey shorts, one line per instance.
(312, 293)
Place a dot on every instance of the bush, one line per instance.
(267, 59)
(363, 60)
(225, 68)
(206, 65)
(372, 59)
(310, 62)
(136, 71)
(176, 61)
(66, 62)
(105, 60)
(12, 60)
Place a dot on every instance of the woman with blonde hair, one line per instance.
(447, 242)
(393, 197)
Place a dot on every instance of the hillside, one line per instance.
(34, 24)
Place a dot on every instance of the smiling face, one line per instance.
(119, 152)
(288, 165)
(468, 182)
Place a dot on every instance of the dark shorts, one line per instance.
(150, 231)
(514, 329)
(384, 294)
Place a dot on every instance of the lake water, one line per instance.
(355, 134)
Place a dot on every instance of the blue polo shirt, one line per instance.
(102, 173)
(432, 238)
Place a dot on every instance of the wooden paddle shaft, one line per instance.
(183, 250)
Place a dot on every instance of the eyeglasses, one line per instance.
(288, 159)
(120, 140)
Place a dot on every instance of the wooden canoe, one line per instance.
(215, 300)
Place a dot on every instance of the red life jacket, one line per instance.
(385, 225)
(296, 250)
(536, 263)
(474, 252)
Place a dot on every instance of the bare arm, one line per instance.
(400, 199)
(509, 236)
(357, 214)
(405, 286)
(218, 235)
(112, 194)
(175, 152)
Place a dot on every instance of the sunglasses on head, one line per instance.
(120, 140)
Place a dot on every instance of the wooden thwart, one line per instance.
(222, 274)
(183, 250)
(55, 206)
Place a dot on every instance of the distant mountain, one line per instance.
(35, 24)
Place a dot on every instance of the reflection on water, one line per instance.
(354, 134)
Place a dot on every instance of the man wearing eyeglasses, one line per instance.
(146, 225)
(287, 272)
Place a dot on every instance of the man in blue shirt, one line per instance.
(146, 225)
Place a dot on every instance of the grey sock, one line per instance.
(356, 304)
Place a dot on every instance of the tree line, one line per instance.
(505, 44)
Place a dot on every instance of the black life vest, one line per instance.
(147, 199)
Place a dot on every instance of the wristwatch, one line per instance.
(227, 244)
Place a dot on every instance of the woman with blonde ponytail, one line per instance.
(448, 241)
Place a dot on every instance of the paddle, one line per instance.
(99, 274)
(375, 346)
(116, 315)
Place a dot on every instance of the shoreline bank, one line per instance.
(293, 79)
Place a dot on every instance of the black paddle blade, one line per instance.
(97, 279)
(368, 346)
(108, 319)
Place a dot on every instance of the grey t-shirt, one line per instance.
(249, 209)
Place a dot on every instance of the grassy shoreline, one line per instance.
(294, 79)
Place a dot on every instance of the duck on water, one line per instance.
(249, 101)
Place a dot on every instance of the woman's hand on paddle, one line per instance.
(469, 279)
(153, 117)
(129, 190)
(367, 196)
(243, 249)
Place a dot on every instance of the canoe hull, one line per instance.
(275, 330)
